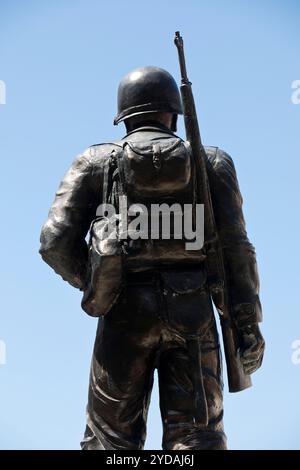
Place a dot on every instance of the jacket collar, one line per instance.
(151, 128)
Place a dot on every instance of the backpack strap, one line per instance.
(105, 195)
(109, 168)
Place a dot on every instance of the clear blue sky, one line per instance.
(61, 62)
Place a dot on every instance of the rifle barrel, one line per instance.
(179, 44)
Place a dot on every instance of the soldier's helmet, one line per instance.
(147, 90)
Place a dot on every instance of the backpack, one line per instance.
(147, 175)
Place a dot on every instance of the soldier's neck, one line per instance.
(150, 125)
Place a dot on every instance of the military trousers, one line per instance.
(158, 322)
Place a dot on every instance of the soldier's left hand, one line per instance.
(252, 349)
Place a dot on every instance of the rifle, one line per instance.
(237, 379)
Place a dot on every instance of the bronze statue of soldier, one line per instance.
(154, 297)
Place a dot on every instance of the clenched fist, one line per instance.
(252, 348)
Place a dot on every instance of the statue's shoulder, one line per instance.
(219, 159)
(99, 153)
(221, 166)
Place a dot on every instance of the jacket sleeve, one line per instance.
(239, 254)
(63, 244)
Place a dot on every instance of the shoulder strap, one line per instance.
(120, 166)
(113, 165)
(105, 181)
(107, 172)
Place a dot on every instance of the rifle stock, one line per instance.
(237, 379)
